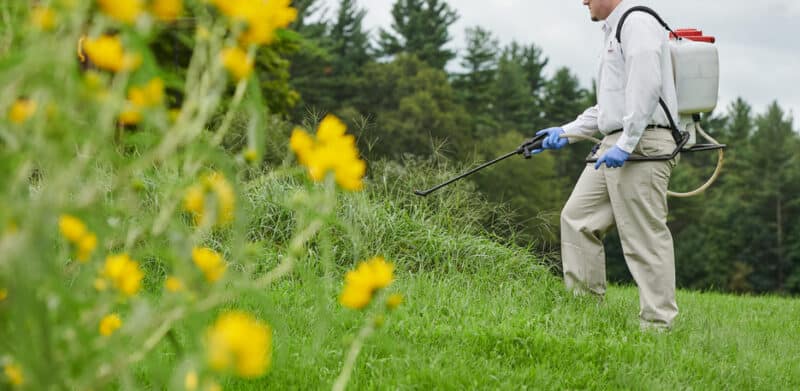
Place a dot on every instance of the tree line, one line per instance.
(394, 88)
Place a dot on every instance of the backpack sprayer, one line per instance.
(695, 65)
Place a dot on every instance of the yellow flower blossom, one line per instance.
(76, 232)
(195, 199)
(361, 283)
(148, 95)
(71, 228)
(333, 150)
(126, 11)
(190, 381)
(3, 294)
(43, 18)
(167, 10)
(124, 274)
(86, 246)
(250, 155)
(240, 342)
(209, 262)
(21, 110)
(13, 373)
(106, 52)
(237, 62)
(130, 116)
(109, 324)
(394, 301)
(265, 19)
(262, 17)
(140, 97)
(173, 284)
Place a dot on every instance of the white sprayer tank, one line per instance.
(695, 64)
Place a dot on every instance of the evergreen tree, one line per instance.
(513, 104)
(349, 42)
(474, 86)
(420, 27)
(771, 172)
(532, 60)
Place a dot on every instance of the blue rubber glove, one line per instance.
(613, 158)
(552, 141)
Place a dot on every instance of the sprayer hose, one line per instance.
(699, 190)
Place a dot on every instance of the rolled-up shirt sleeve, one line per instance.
(585, 124)
(642, 47)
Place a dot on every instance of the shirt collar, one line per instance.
(613, 19)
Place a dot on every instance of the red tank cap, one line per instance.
(689, 32)
(703, 39)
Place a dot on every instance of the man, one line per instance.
(633, 75)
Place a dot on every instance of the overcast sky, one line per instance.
(759, 42)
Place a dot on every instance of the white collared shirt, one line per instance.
(631, 79)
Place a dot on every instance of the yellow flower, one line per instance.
(126, 11)
(302, 144)
(265, 19)
(173, 284)
(394, 301)
(262, 17)
(361, 283)
(148, 95)
(209, 262)
(106, 52)
(86, 246)
(124, 274)
(43, 18)
(14, 374)
(250, 155)
(190, 381)
(240, 342)
(237, 62)
(76, 232)
(333, 150)
(139, 97)
(21, 110)
(71, 227)
(195, 199)
(167, 10)
(109, 324)
(3, 294)
(130, 116)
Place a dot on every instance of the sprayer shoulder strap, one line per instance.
(675, 132)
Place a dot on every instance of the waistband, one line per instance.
(648, 127)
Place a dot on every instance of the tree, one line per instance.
(420, 27)
(474, 86)
(415, 108)
(771, 171)
(513, 104)
(349, 43)
(532, 60)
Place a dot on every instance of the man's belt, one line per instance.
(650, 127)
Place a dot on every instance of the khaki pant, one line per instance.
(634, 197)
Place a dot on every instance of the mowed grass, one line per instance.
(477, 332)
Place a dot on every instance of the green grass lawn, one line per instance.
(460, 331)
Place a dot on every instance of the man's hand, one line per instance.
(552, 141)
(615, 157)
